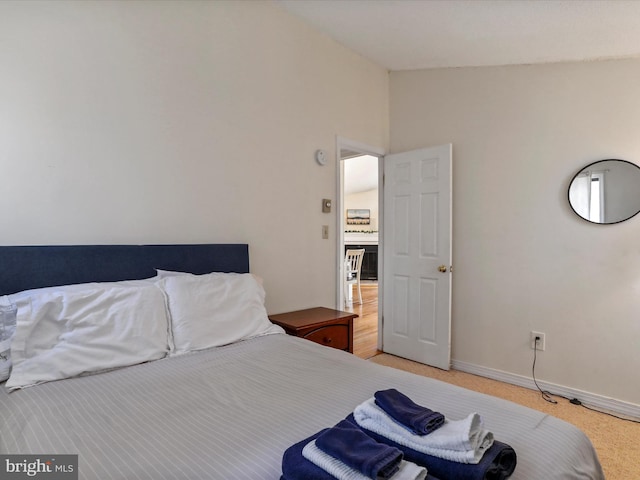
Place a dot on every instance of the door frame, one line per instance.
(349, 145)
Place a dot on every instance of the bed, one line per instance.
(229, 411)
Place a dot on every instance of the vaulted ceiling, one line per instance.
(417, 34)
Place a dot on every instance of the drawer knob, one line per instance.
(327, 339)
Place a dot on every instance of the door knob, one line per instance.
(442, 268)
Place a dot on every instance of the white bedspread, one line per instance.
(230, 413)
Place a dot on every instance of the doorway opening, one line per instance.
(360, 226)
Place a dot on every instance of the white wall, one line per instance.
(522, 259)
(171, 122)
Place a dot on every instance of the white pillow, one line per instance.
(15, 297)
(215, 309)
(65, 332)
(160, 274)
(169, 273)
(5, 344)
(5, 367)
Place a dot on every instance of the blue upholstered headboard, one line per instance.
(26, 267)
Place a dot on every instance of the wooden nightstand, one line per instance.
(331, 328)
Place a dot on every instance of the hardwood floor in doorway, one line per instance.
(365, 327)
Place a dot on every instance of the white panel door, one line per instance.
(417, 255)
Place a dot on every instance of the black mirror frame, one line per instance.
(586, 167)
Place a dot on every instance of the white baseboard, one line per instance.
(593, 400)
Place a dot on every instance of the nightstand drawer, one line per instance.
(336, 336)
(332, 328)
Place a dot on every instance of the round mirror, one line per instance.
(606, 192)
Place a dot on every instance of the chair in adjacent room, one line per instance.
(353, 265)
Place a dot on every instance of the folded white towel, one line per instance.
(463, 441)
(341, 471)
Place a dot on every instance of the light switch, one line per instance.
(326, 205)
(325, 232)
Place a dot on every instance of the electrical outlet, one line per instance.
(541, 343)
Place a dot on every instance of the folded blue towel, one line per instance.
(416, 418)
(497, 463)
(296, 467)
(349, 444)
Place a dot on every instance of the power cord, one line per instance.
(545, 394)
(548, 396)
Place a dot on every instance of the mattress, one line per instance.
(230, 413)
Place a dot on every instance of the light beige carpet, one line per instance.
(616, 441)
